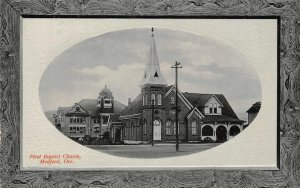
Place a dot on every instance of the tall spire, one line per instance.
(152, 74)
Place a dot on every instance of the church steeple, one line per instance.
(152, 74)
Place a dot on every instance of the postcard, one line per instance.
(149, 93)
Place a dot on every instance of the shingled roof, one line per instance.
(254, 108)
(197, 100)
(134, 107)
(90, 105)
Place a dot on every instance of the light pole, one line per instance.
(176, 66)
(152, 127)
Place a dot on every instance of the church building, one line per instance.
(202, 117)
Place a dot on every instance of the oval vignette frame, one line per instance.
(92, 63)
(288, 175)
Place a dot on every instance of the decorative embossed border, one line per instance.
(289, 174)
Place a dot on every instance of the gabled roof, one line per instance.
(134, 107)
(196, 100)
(90, 105)
(199, 100)
(81, 111)
(254, 108)
(198, 113)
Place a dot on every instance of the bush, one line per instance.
(207, 140)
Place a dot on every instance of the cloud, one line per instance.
(118, 60)
(123, 81)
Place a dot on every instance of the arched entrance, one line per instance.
(234, 130)
(207, 131)
(221, 134)
(156, 130)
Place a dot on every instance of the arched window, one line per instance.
(156, 122)
(168, 127)
(207, 131)
(234, 130)
(159, 99)
(145, 127)
(194, 128)
(153, 99)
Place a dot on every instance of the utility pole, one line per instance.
(176, 67)
(152, 127)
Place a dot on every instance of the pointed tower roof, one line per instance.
(152, 74)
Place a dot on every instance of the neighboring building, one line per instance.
(203, 117)
(253, 111)
(89, 116)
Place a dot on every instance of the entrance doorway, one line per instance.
(221, 134)
(156, 130)
(117, 135)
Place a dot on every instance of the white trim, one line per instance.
(216, 99)
(199, 113)
(181, 96)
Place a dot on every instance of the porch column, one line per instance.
(228, 128)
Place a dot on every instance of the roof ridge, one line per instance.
(203, 93)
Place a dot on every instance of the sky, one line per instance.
(118, 59)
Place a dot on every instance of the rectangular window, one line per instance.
(175, 128)
(210, 108)
(96, 129)
(71, 119)
(168, 128)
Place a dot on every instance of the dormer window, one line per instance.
(215, 108)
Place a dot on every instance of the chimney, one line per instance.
(129, 101)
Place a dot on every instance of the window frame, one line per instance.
(153, 98)
(159, 99)
(194, 127)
